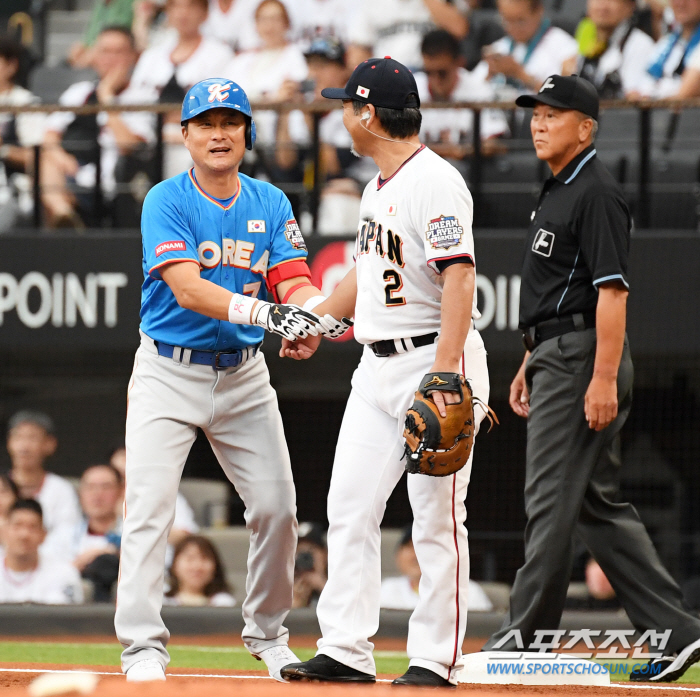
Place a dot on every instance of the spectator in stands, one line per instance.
(8, 497)
(105, 13)
(18, 134)
(232, 22)
(197, 576)
(27, 576)
(449, 132)
(98, 536)
(273, 72)
(344, 174)
(483, 30)
(531, 50)
(184, 524)
(395, 28)
(672, 53)
(614, 58)
(324, 19)
(401, 592)
(166, 71)
(69, 159)
(31, 440)
(150, 24)
(690, 81)
(310, 565)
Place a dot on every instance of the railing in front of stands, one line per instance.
(638, 137)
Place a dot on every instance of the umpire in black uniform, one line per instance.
(575, 389)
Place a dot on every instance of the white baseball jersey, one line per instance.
(53, 582)
(420, 215)
(545, 59)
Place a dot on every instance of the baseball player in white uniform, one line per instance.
(412, 293)
(215, 242)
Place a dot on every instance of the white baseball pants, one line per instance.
(366, 469)
(237, 410)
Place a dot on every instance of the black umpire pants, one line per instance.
(571, 485)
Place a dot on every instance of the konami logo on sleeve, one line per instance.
(172, 246)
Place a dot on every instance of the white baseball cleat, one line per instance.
(147, 670)
(276, 658)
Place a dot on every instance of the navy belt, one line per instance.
(389, 347)
(534, 336)
(219, 360)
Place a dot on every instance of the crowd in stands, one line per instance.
(60, 541)
(152, 51)
(56, 542)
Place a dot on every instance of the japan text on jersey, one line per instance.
(246, 244)
(411, 223)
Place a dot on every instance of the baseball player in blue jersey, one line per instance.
(215, 244)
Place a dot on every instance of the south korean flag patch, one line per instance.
(444, 232)
(293, 233)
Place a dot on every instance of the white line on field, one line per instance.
(655, 687)
(97, 672)
(170, 675)
(677, 688)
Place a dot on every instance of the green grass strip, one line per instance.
(204, 657)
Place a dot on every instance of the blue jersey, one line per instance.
(247, 245)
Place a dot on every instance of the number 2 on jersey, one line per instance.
(394, 283)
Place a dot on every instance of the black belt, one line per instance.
(534, 336)
(389, 347)
(219, 360)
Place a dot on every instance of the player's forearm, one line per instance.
(204, 297)
(301, 290)
(341, 302)
(611, 314)
(455, 316)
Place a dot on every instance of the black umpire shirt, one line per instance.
(579, 237)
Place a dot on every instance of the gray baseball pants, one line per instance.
(237, 410)
(571, 484)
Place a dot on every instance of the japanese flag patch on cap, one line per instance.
(363, 91)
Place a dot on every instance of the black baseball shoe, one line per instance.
(416, 676)
(323, 668)
(668, 668)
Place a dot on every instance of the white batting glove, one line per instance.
(289, 321)
(333, 328)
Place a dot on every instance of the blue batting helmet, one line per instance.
(217, 93)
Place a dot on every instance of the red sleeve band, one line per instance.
(286, 270)
(293, 290)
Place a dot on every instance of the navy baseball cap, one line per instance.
(570, 92)
(379, 81)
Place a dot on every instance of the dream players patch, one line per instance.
(444, 232)
(293, 234)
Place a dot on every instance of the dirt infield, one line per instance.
(193, 683)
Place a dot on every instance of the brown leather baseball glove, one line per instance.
(439, 446)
